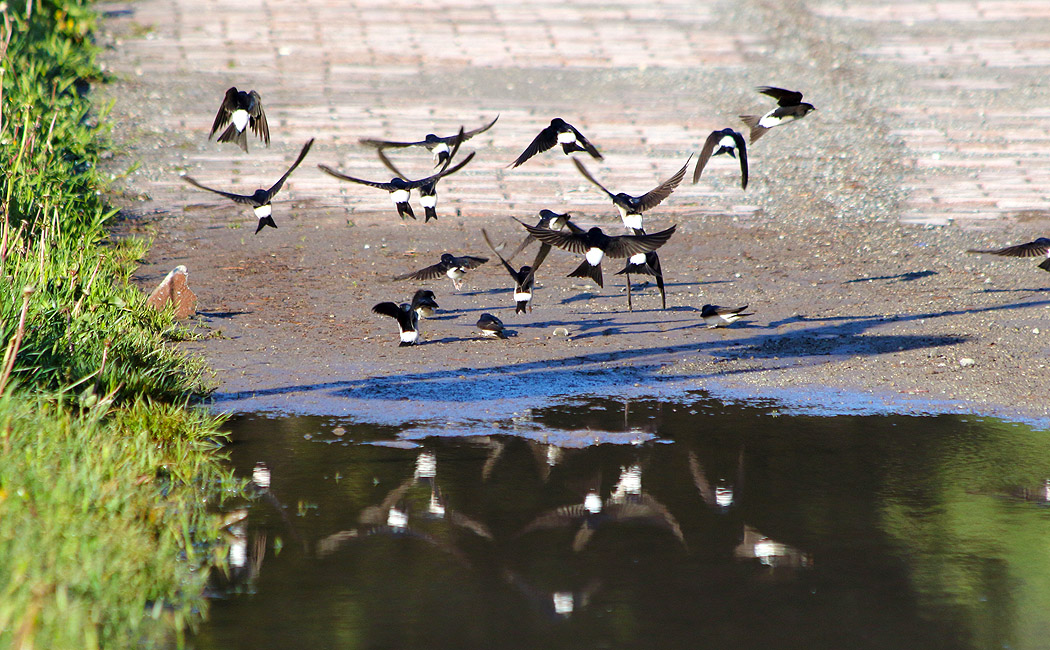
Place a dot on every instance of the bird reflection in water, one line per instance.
(770, 552)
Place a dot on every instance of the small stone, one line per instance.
(966, 361)
(1035, 330)
(338, 431)
(561, 331)
(174, 288)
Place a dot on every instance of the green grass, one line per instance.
(108, 481)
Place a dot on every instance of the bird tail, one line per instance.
(1045, 264)
(431, 213)
(752, 123)
(585, 270)
(663, 294)
(265, 221)
(405, 210)
(520, 306)
(231, 134)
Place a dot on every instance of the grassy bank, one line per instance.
(105, 480)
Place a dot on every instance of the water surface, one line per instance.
(640, 524)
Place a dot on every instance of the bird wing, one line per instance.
(389, 165)
(506, 265)
(222, 118)
(587, 175)
(258, 123)
(389, 144)
(571, 241)
(784, 97)
(540, 256)
(280, 182)
(584, 142)
(442, 174)
(741, 153)
(705, 153)
(428, 273)
(469, 261)
(343, 177)
(387, 309)
(470, 134)
(546, 139)
(628, 245)
(1035, 248)
(239, 198)
(655, 196)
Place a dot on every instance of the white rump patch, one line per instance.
(594, 256)
(397, 519)
(455, 273)
(565, 137)
(263, 211)
(638, 258)
(631, 220)
(522, 297)
(592, 503)
(240, 119)
(400, 196)
(727, 141)
(428, 200)
(409, 337)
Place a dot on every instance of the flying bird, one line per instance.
(450, 265)
(407, 320)
(242, 111)
(790, 107)
(559, 132)
(595, 244)
(424, 303)
(726, 141)
(260, 199)
(491, 327)
(428, 186)
(1035, 248)
(632, 207)
(524, 278)
(400, 189)
(439, 146)
(644, 264)
(716, 316)
(548, 219)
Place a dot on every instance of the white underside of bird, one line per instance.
(594, 256)
(240, 119)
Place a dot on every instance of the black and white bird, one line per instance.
(428, 186)
(439, 146)
(400, 188)
(716, 316)
(424, 303)
(242, 111)
(790, 107)
(407, 320)
(1035, 248)
(490, 326)
(451, 266)
(726, 141)
(559, 132)
(524, 278)
(632, 207)
(548, 219)
(644, 264)
(260, 199)
(595, 245)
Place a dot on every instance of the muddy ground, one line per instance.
(848, 245)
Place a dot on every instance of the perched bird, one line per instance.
(491, 327)
(424, 303)
(260, 199)
(716, 316)
(632, 207)
(559, 132)
(439, 146)
(644, 264)
(1035, 248)
(790, 107)
(400, 189)
(241, 110)
(450, 265)
(407, 320)
(524, 278)
(726, 141)
(595, 244)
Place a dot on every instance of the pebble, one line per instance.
(966, 361)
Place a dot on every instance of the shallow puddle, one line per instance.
(641, 525)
